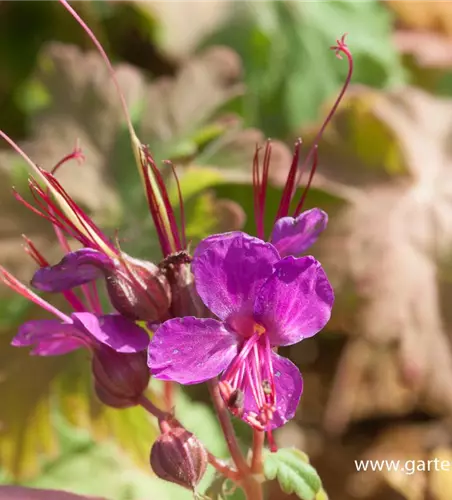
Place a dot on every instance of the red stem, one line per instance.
(251, 487)
(258, 446)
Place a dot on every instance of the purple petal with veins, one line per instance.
(191, 350)
(294, 236)
(75, 269)
(113, 330)
(230, 271)
(295, 302)
(50, 337)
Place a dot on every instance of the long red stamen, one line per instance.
(256, 188)
(183, 236)
(34, 253)
(340, 49)
(37, 256)
(106, 60)
(265, 172)
(76, 154)
(11, 282)
(299, 207)
(260, 187)
(87, 224)
(289, 188)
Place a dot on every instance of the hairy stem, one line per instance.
(150, 407)
(251, 487)
(223, 468)
(228, 430)
(168, 394)
(258, 446)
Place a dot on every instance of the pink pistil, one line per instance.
(251, 372)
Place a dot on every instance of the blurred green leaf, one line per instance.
(288, 67)
(63, 383)
(293, 472)
(223, 489)
(107, 472)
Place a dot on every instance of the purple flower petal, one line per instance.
(76, 268)
(113, 330)
(230, 272)
(288, 388)
(191, 350)
(294, 236)
(204, 244)
(49, 337)
(56, 347)
(295, 302)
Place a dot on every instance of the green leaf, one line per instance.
(60, 383)
(288, 65)
(293, 472)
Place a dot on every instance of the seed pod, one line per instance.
(120, 379)
(139, 290)
(179, 457)
(185, 301)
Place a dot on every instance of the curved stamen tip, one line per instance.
(341, 47)
(76, 154)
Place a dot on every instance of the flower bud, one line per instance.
(179, 457)
(139, 290)
(185, 301)
(120, 378)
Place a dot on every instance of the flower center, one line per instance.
(248, 385)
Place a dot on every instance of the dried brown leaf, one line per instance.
(386, 246)
(425, 15)
(430, 50)
(176, 108)
(179, 38)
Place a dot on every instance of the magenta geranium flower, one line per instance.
(261, 301)
(79, 329)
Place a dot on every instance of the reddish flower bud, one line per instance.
(139, 290)
(120, 378)
(185, 301)
(179, 457)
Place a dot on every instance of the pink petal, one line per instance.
(74, 269)
(191, 350)
(113, 330)
(294, 236)
(204, 244)
(295, 302)
(50, 337)
(230, 271)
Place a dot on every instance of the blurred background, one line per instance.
(205, 82)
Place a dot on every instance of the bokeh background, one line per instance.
(205, 82)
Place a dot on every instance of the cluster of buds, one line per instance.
(221, 312)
